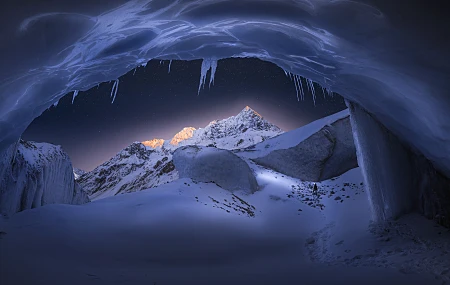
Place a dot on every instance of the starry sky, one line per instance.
(153, 103)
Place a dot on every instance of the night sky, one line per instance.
(153, 103)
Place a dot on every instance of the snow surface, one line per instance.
(197, 233)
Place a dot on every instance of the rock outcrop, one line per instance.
(209, 164)
(325, 154)
(36, 174)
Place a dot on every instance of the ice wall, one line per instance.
(36, 174)
(386, 165)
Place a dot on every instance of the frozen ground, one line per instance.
(197, 233)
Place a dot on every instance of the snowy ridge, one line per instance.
(245, 129)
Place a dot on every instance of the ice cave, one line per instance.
(390, 148)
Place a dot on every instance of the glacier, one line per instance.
(389, 60)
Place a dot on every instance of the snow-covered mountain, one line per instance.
(148, 164)
(245, 129)
(36, 174)
(135, 168)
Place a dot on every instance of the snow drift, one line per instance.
(36, 174)
(327, 153)
(210, 164)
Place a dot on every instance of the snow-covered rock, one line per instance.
(135, 168)
(327, 152)
(36, 174)
(77, 173)
(210, 164)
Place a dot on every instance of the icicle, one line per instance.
(296, 87)
(56, 103)
(207, 64)
(312, 88)
(285, 72)
(323, 92)
(160, 62)
(75, 94)
(213, 72)
(299, 78)
(134, 71)
(98, 85)
(114, 90)
(170, 63)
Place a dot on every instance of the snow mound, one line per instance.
(209, 164)
(36, 174)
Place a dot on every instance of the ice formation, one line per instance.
(114, 90)
(396, 70)
(207, 64)
(75, 94)
(36, 174)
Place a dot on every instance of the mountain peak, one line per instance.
(248, 110)
(154, 143)
(184, 134)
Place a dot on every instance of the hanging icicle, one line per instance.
(75, 94)
(134, 71)
(170, 63)
(114, 90)
(213, 72)
(312, 88)
(207, 64)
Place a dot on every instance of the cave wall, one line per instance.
(398, 178)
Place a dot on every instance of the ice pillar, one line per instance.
(387, 166)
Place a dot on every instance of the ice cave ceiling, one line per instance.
(391, 57)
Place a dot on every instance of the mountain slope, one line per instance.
(135, 168)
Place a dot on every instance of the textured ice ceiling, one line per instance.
(388, 56)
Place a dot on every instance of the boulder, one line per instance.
(210, 164)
